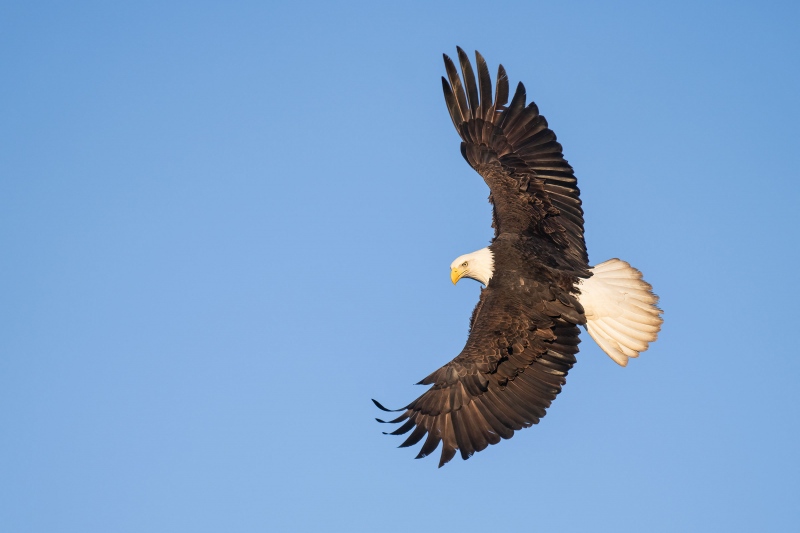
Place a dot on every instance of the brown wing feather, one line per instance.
(533, 188)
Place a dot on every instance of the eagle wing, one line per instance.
(533, 188)
(513, 365)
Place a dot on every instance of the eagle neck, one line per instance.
(482, 268)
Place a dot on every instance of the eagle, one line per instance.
(538, 287)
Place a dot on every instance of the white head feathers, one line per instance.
(476, 265)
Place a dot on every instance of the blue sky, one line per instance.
(226, 227)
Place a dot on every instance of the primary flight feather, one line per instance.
(539, 286)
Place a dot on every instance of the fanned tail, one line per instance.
(621, 310)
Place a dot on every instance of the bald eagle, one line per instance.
(538, 285)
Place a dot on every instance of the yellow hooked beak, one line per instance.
(456, 274)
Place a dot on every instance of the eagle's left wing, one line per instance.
(534, 191)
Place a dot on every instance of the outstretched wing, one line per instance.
(533, 188)
(513, 365)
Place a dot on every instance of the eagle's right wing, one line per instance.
(514, 363)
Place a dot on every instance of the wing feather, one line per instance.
(502, 426)
(457, 89)
(501, 90)
(416, 435)
(469, 83)
(485, 85)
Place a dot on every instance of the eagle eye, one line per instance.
(464, 264)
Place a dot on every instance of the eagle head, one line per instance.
(476, 265)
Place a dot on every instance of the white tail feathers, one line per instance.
(621, 310)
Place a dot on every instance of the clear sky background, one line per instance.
(224, 227)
